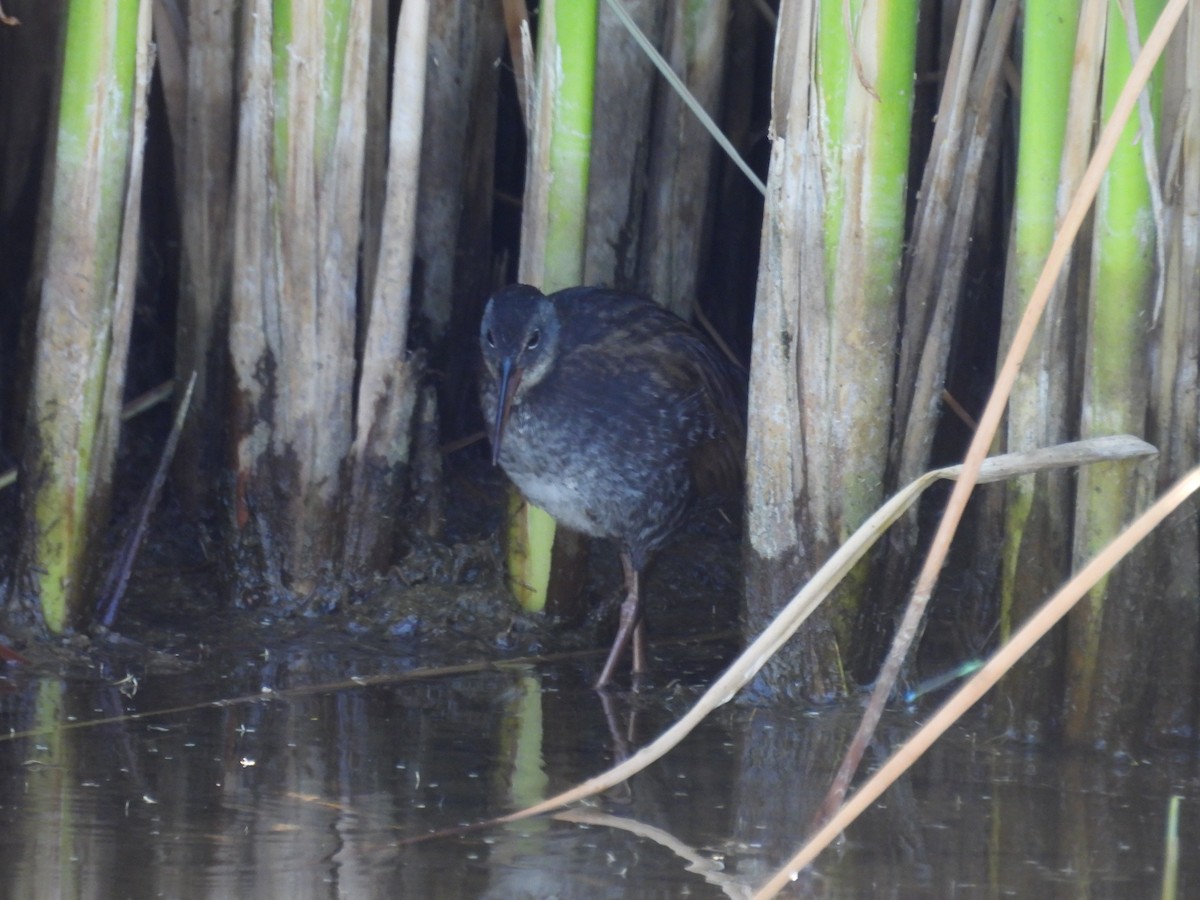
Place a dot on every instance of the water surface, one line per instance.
(310, 766)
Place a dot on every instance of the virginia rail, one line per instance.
(613, 415)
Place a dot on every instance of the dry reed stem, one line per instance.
(1004, 659)
(112, 587)
(791, 213)
(906, 633)
(108, 434)
(516, 25)
(1175, 404)
(387, 388)
(254, 273)
(539, 126)
(171, 55)
(630, 113)
(383, 388)
(943, 224)
(685, 95)
(755, 656)
(205, 186)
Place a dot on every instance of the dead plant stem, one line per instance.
(1089, 185)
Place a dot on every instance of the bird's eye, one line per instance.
(490, 338)
(534, 340)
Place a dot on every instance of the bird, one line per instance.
(614, 416)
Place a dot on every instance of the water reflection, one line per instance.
(312, 792)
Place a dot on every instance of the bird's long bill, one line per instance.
(510, 377)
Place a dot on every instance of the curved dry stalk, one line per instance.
(754, 657)
(1004, 659)
(697, 862)
(909, 626)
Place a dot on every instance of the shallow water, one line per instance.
(307, 769)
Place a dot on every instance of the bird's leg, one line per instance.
(634, 582)
(639, 648)
(621, 739)
(640, 666)
(630, 627)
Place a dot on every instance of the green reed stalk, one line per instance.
(1033, 560)
(554, 232)
(69, 444)
(1115, 389)
(826, 314)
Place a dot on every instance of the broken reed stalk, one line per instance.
(205, 194)
(388, 376)
(516, 28)
(294, 295)
(965, 697)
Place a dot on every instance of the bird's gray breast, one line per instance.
(597, 469)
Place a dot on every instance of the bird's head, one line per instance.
(519, 339)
